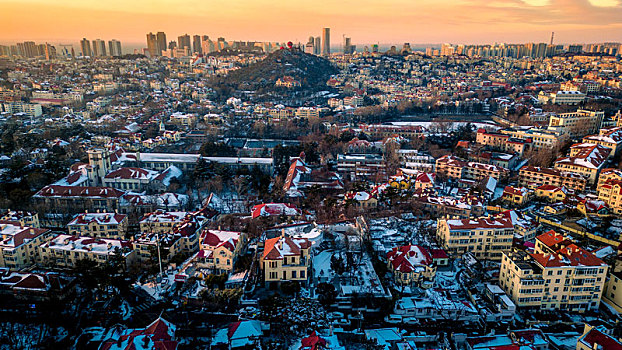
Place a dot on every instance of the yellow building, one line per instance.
(609, 173)
(586, 159)
(610, 192)
(613, 290)
(412, 265)
(557, 276)
(486, 238)
(456, 168)
(516, 195)
(576, 124)
(63, 251)
(220, 249)
(598, 338)
(25, 218)
(532, 177)
(18, 244)
(100, 225)
(610, 138)
(286, 259)
(551, 193)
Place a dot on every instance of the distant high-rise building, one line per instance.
(207, 46)
(222, 44)
(196, 44)
(575, 48)
(114, 48)
(152, 45)
(99, 48)
(317, 45)
(85, 47)
(161, 43)
(374, 48)
(347, 44)
(406, 48)
(27, 49)
(310, 46)
(183, 41)
(326, 41)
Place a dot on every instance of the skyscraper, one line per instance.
(310, 46)
(114, 48)
(152, 45)
(85, 46)
(317, 45)
(196, 44)
(326, 41)
(184, 41)
(161, 40)
(99, 48)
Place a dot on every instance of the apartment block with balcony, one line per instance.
(486, 238)
(559, 275)
(18, 244)
(533, 177)
(457, 168)
(64, 251)
(100, 225)
(586, 159)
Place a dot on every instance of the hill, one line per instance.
(311, 71)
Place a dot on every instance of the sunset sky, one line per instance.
(366, 21)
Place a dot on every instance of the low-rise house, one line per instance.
(64, 251)
(412, 265)
(598, 337)
(551, 193)
(526, 339)
(18, 244)
(275, 209)
(286, 259)
(130, 179)
(243, 334)
(486, 238)
(516, 195)
(219, 250)
(36, 286)
(99, 225)
(159, 335)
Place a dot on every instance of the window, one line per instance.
(294, 274)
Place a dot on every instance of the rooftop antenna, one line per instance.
(552, 36)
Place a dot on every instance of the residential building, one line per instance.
(18, 244)
(486, 238)
(99, 225)
(64, 251)
(412, 265)
(610, 192)
(220, 250)
(159, 334)
(525, 339)
(78, 198)
(532, 177)
(286, 259)
(586, 159)
(576, 124)
(610, 138)
(24, 218)
(551, 193)
(457, 168)
(598, 337)
(559, 275)
(85, 47)
(516, 195)
(502, 142)
(540, 138)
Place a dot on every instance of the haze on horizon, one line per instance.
(365, 21)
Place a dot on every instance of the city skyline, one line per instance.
(469, 22)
